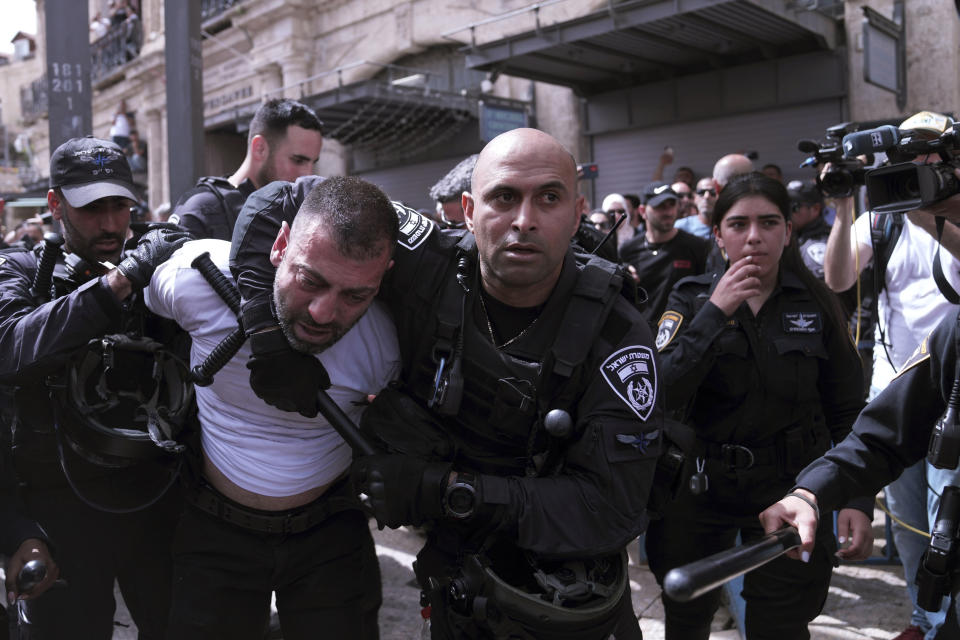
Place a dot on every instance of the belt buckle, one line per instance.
(736, 456)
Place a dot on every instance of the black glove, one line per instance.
(283, 377)
(153, 248)
(402, 489)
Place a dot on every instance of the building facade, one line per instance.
(407, 88)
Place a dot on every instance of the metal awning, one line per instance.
(383, 117)
(643, 41)
(398, 120)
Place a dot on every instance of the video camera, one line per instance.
(904, 185)
(846, 173)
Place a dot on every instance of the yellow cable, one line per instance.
(903, 524)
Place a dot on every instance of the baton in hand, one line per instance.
(695, 579)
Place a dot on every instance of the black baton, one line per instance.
(695, 579)
(344, 425)
(43, 279)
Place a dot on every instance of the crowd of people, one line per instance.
(209, 409)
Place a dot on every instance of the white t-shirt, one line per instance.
(911, 305)
(260, 448)
(120, 127)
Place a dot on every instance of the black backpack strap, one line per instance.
(942, 283)
(593, 296)
(885, 230)
(215, 185)
(447, 350)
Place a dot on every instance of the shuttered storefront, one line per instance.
(628, 158)
(411, 184)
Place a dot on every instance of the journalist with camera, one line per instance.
(912, 237)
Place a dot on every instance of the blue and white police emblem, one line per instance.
(632, 374)
(414, 228)
(669, 324)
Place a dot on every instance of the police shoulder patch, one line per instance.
(921, 353)
(632, 374)
(414, 228)
(669, 324)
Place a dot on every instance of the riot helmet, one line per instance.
(123, 400)
(558, 600)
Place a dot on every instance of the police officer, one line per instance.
(498, 328)
(283, 143)
(810, 228)
(91, 194)
(448, 193)
(758, 364)
(890, 435)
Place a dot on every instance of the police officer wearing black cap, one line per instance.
(663, 254)
(86, 496)
(527, 429)
(809, 226)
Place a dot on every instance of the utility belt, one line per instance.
(791, 451)
(339, 497)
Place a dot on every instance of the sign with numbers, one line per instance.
(68, 72)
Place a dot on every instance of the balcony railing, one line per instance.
(33, 99)
(120, 46)
(212, 8)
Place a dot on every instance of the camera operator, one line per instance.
(882, 445)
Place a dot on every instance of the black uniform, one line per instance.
(210, 209)
(764, 395)
(94, 548)
(660, 266)
(894, 429)
(586, 352)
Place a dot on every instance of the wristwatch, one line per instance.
(460, 498)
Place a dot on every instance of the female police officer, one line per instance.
(758, 362)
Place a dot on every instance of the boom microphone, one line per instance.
(869, 141)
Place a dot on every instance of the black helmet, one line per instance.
(562, 600)
(124, 400)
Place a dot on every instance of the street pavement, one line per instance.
(865, 601)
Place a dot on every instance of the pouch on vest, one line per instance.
(397, 423)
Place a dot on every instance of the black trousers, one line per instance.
(93, 549)
(327, 580)
(782, 597)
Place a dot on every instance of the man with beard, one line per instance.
(663, 254)
(91, 194)
(272, 508)
(527, 427)
(283, 143)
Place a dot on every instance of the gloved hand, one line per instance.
(283, 377)
(153, 248)
(402, 489)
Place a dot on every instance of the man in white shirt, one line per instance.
(910, 307)
(273, 509)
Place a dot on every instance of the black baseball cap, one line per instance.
(804, 192)
(87, 169)
(656, 193)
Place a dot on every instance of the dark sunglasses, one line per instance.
(615, 211)
(703, 192)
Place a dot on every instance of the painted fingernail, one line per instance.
(805, 556)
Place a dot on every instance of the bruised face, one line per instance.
(523, 211)
(319, 293)
(94, 232)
